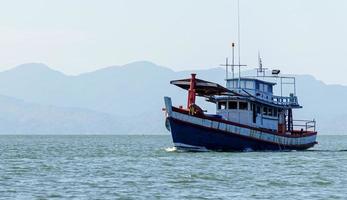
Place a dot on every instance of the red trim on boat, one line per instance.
(306, 133)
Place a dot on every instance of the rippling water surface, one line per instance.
(145, 167)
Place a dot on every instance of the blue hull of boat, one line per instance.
(194, 137)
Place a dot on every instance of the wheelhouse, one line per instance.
(257, 106)
(255, 87)
(249, 112)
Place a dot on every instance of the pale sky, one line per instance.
(75, 36)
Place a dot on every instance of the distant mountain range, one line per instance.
(128, 100)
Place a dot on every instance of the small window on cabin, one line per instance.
(230, 84)
(270, 112)
(264, 110)
(261, 87)
(232, 105)
(275, 112)
(222, 105)
(243, 84)
(266, 88)
(243, 105)
(257, 85)
(234, 84)
(249, 84)
(258, 109)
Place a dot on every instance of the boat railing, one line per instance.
(279, 100)
(291, 100)
(304, 125)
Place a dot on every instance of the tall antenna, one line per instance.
(226, 68)
(239, 39)
(233, 61)
(233, 65)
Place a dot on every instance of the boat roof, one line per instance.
(211, 90)
(252, 79)
(202, 87)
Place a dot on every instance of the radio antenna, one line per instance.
(233, 60)
(238, 36)
(239, 54)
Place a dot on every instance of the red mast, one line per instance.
(191, 91)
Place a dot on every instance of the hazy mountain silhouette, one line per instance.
(20, 117)
(128, 99)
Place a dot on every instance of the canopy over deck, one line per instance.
(202, 87)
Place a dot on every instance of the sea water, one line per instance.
(148, 167)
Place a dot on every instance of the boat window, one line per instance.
(243, 105)
(236, 84)
(264, 110)
(232, 84)
(249, 84)
(245, 84)
(266, 88)
(252, 106)
(275, 112)
(270, 112)
(232, 104)
(258, 109)
(261, 87)
(242, 84)
(222, 105)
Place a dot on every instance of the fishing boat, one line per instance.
(253, 113)
(249, 115)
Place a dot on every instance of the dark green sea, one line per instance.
(146, 167)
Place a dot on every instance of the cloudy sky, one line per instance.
(83, 35)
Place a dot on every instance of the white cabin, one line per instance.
(261, 111)
(258, 88)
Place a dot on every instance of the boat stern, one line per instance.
(168, 112)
